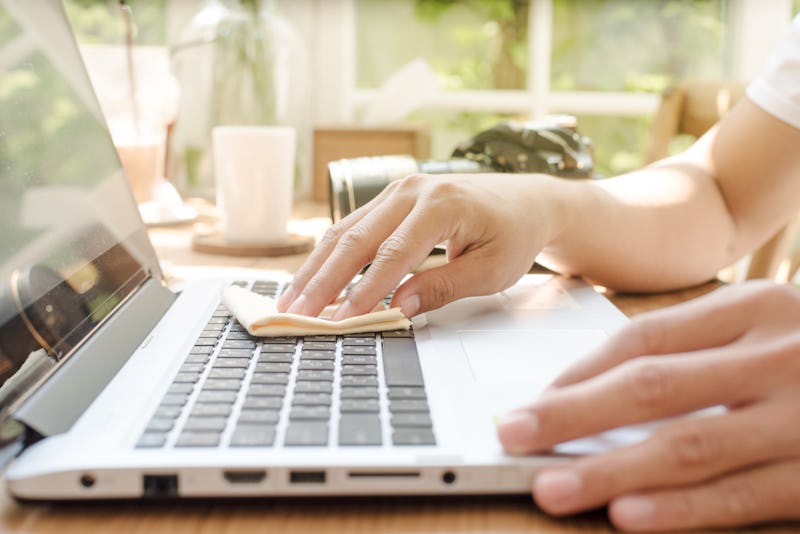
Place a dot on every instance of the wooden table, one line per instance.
(332, 515)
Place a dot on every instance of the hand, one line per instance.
(493, 227)
(738, 347)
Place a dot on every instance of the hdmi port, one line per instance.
(245, 477)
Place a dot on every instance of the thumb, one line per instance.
(433, 288)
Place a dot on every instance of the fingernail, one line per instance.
(410, 305)
(518, 431)
(634, 512)
(298, 305)
(557, 488)
(285, 298)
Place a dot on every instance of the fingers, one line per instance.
(767, 493)
(322, 251)
(680, 454)
(345, 252)
(467, 275)
(640, 390)
(395, 257)
(713, 320)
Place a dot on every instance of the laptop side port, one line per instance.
(307, 477)
(245, 476)
(156, 486)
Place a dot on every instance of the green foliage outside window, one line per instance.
(597, 45)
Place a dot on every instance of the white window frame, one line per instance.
(754, 26)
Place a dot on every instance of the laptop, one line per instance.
(114, 385)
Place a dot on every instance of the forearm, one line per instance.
(662, 227)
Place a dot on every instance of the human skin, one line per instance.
(737, 347)
(670, 225)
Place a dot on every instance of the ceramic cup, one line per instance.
(254, 173)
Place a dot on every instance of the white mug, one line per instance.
(254, 171)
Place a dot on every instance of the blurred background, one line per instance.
(606, 62)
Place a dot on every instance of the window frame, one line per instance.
(750, 37)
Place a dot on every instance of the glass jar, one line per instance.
(238, 63)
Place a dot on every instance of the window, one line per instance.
(605, 61)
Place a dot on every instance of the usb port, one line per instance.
(307, 477)
(245, 477)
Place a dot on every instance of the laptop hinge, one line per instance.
(64, 396)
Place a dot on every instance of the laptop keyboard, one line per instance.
(237, 390)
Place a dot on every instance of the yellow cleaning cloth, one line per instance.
(260, 316)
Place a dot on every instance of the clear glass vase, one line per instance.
(238, 63)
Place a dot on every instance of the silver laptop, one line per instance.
(116, 386)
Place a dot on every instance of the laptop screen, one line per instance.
(72, 244)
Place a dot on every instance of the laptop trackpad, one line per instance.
(533, 357)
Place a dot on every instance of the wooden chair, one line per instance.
(692, 107)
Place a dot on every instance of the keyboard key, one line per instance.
(352, 359)
(311, 365)
(235, 353)
(202, 350)
(358, 341)
(317, 355)
(224, 384)
(319, 345)
(420, 420)
(157, 424)
(216, 424)
(354, 380)
(175, 399)
(262, 403)
(227, 372)
(277, 347)
(247, 435)
(359, 392)
(310, 412)
(151, 440)
(212, 396)
(401, 392)
(358, 349)
(263, 417)
(408, 405)
(267, 390)
(206, 342)
(211, 410)
(397, 334)
(192, 368)
(168, 412)
(360, 370)
(325, 338)
(306, 386)
(187, 378)
(241, 363)
(180, 387)
(276, 357)
(198, 358)
(273, 367)
(198, 439)
(311, 399)
(359, 405)
(413, 436)
(307, 433)
(270, 378)
(241, 335)
(401, 363)
(359, 429)
(325, 376)
(239, 344)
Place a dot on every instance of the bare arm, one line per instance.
(669, 225)
(680, 220)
